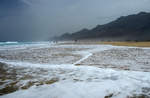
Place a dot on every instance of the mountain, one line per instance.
(126, 28)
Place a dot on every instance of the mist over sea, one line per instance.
(9, 43)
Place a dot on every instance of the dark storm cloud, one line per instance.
(13, 20)
(40, 19)
(10, 7)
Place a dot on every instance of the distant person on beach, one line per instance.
(75, 40)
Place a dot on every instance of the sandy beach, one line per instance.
(65, 70)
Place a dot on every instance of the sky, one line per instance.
(26, 20)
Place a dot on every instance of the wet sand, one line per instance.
(67, 62)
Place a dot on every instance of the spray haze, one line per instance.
(23, 20)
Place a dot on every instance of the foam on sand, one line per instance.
(82, 81)
(90, 82)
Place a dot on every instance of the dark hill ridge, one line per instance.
(133, 27)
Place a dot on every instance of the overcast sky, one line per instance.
(39, 19)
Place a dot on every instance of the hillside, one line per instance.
(134, 27)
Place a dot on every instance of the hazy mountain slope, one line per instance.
(132, 27)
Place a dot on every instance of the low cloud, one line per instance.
(41, 19)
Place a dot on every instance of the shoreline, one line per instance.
(76, 66)
(114, 43)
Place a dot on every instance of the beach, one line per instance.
(77, 70)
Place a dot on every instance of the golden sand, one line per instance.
(135, 44)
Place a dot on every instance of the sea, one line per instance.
(21, 43)
(15, 45)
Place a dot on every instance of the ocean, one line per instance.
(21, 43)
